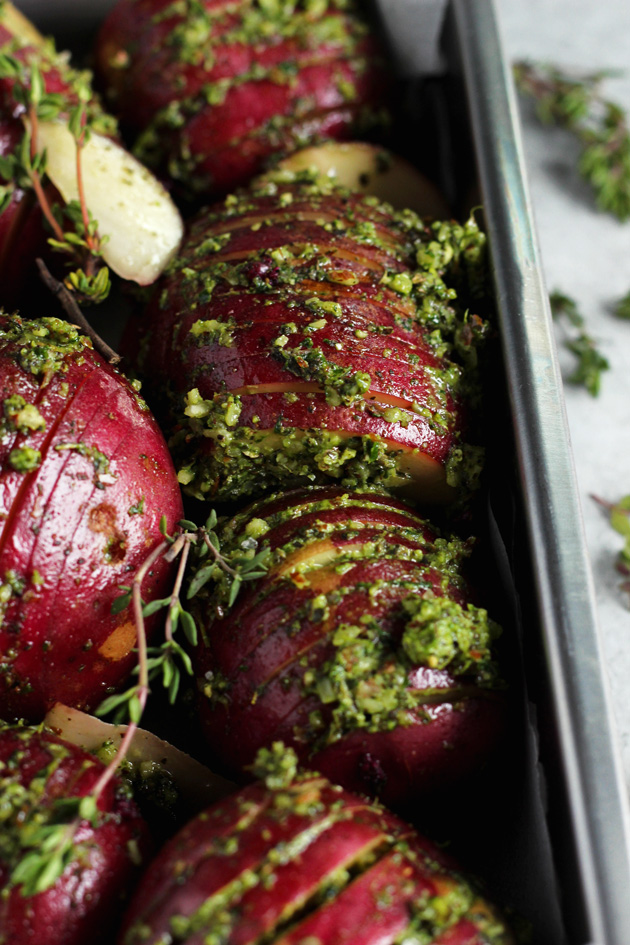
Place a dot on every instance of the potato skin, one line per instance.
(211, 93)
(83, 903)
(304, 342)
(318, 653)
(85, 476)
(301, 861)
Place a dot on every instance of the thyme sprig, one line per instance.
(601, 127)
(590, 363)
(619, 516)
(74, 231)
(167, 661)
(49, 842)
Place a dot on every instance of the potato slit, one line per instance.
(225, 904)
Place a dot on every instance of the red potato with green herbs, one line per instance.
(210, 91)
(298, 860)
(85, 478)
(359, 647)
(61, 159)
(39, 774)
(309, 333)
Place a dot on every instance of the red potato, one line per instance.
(85, 477)
(359, 647)
(299, 860)
(307, 334)
(138, 224)
(39, 772)
(211, 90)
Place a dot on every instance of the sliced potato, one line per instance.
(198, 785)
(372, 170)
(132, 208)
(19, 26)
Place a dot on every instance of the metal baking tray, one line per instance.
(587, 798)
(556, 841)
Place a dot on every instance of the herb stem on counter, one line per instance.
(590, 363)
(576, 103)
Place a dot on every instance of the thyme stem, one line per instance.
(142, 690)
(218, 557)
(36, 180)
(74, 313)
(179, 578)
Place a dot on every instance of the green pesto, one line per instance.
(276, 766)
(220, 912)
(432, 916)
(151, 785)
(442, 634)
(42, 347)
(365, 682)
(464, 467)
(437, 310)
(341, 385)
(197, 35)
(26, 822)
(244, 461)
(11, 587)
(99, 460)
(232, 530)
(25, 459)
(211, 331)
(387, 542)
(20, 416)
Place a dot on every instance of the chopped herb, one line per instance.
(137, 508)
(25, 459)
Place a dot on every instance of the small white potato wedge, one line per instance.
(130, 205)
(199, 786)
(19, 26)
(372, 170)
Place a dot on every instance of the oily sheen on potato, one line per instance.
(210, 90)
(359, 647)
(307, 333)
(295, 860)
(85, 477)
(38, 773)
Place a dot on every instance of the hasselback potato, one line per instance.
(298, 860)
(360, 647)
(85, 477)
(41, 776)
(306, 334)
(210, 90)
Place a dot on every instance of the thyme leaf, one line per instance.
(619, 517)
(622, 308)
(74, 231)
(167, 662)
(577, 104)
(590, 363)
